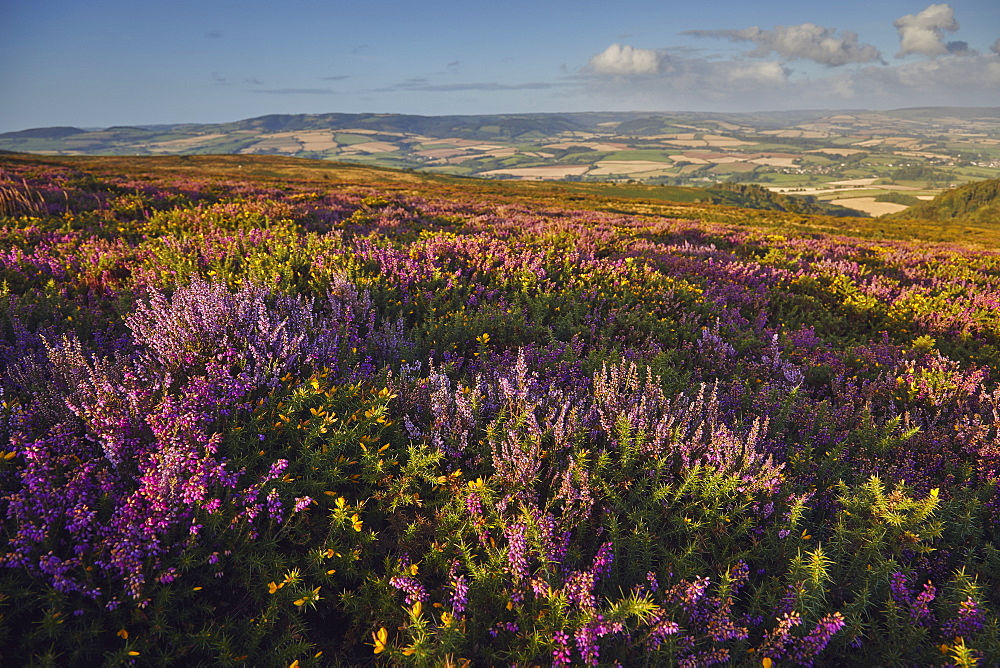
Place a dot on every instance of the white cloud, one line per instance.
(806, 41)
(951, 73)
(626, 60)
(948, 75)
(922, 33)
(627, 73)
(754, 73)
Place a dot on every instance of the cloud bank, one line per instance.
(940, 71)
(806, 41)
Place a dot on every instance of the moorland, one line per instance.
(261, 410)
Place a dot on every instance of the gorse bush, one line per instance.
(249, 425)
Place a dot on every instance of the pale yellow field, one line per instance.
(837, 151)
(869, 205)
(541, 173)
(774, 162)
(852, 182)
(505, 152)
(721, 140)
(801, 134)
(687, 140)
(608, 167)
(317, 140)
(371, 147)
(921, 154)
(283, 141)
(695, 161)
(318, 145)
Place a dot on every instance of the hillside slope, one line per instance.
(825, 151)
(977, 202)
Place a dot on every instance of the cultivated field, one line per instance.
(930, 149)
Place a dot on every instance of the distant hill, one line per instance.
(824, 153)
(43, 133)
(484, 128)
(977, 202)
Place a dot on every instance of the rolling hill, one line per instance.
(828, 154)
(974, 202)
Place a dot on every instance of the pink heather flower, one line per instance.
(587, 645)
(301, 503)
(602, 561)
(517, 547)
(814, 643)
(562, 654)
(274, 505)
(414, 590)
(460, 594)
(970, 619)
(213, 505)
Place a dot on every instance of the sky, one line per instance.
(99, 63)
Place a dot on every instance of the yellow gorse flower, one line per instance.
(309, 598)
(380, 637)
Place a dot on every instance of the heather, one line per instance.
(300, 421)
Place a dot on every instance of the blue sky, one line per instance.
(98, 63)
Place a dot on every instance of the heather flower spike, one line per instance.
(241, 398)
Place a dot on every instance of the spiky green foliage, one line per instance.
(244, 424)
